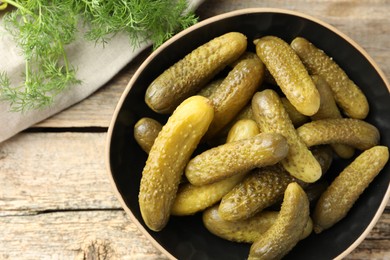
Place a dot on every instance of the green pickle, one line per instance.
(263, 188)
(271, 117)
(244, 231)
(342, 193)
(288, 228)
(329, 109)
(347, 94)
(146, 131)
(289, 73)
(168, 157)
(186, 77)
(353, 132)
(234, 92)
(236, 157)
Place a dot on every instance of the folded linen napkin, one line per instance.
(96, 66)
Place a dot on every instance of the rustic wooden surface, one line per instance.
(55, 198)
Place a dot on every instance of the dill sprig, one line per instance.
(141, 20)
(43, 28)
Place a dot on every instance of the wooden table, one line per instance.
(55, 198)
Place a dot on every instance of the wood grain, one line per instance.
(103, 234)
(54, 171)
(55, 198)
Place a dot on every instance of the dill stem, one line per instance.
(13, 3)
(27, 77)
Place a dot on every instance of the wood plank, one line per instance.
(53, 171)
(372, 32)
(111, 235)
(74, 235)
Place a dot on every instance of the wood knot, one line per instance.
(96, 249)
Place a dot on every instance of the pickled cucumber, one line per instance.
(353, 132)
(264, 187)
(329, 109)
(189, 75)
(296, 117)
(343, 192)
(242, 129)
(235, 91)
(191, 199)
(146, 131)
(347, 94)
(259, 190)
(289, 73)
(244, 231)
(236, 157)
(272, 117)
(168, 157)
(288, 228)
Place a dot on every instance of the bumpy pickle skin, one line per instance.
(258, 190)
(236, 157)
(244, 231)
(329, 109)
(242, 129)
(296, 117)
(289, 73)
(288, 228)
(191, 199)
(352, 132)
(235, 91)
(186, 77)
(263, 188)
(347, 94)
(168, 157)
(146, 131)
(272, 117)
(339, 197)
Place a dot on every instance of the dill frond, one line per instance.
(43, 28)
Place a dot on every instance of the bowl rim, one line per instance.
(200, 24)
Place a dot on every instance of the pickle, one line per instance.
(347, 94)
(186, 77)
(289, 73)
(296, 117)
(272, 117)
(210, 88)
(329, 109)
(146, 131)
(191, 199)
(324, 156)
(236, 157)
(242, 129)
(288, 228)
(263, 188)
(235, 91)
(346, 188)
(259, 190)
(353, 132)
(168, 157)
(244, 231)
(247, 113)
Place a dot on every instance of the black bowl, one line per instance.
(185, 237)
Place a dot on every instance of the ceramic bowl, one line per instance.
(185, 237)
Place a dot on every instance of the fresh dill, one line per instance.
(43, 28)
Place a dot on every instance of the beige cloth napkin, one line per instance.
(96, 65)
